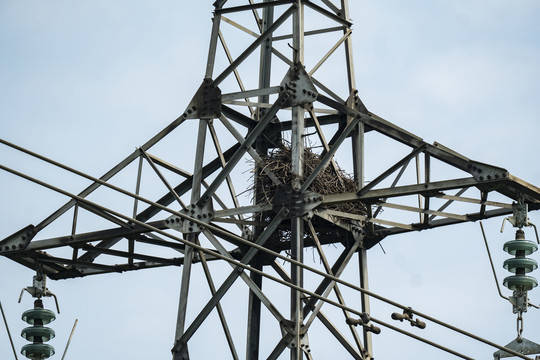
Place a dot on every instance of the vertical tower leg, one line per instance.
(254, 305)
(362, 257)
(254, 318)
(297, 164)
(182, 303)
(188, 254)
(297, 279)
(358, 157)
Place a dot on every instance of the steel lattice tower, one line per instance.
(278, 73)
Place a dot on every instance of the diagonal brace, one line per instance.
(249, 282)
(255, 44)
(250, 139)
(250, 254)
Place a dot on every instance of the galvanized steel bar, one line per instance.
(253, 337)
(255, 6)
(199, 158)
(328, 156)
(137, 186)
(108, 175)
(427, 179)
(255, 44)
(255, 288)
(90, 255)
(309, 33)
(216, 21)
(351, 78)
(189, 252)
(327, 90)
(219, 309)
(256, 16)
(365, 303)
(394, 183)
(358, 148)
(250, 93)
(323, 141)
(162, 178)
(217, 147)
(181, 342)
(235, 71)
(328, 14)
(240, 27)
(400, 164)
(329, 53)
(74, 229)
(169, 166)
(323, 318)
(457, 197)
(328, 286)
(328, 269)
(423, 211)
(118, 253)
(250, 139)
(297, 170)
(332, 7)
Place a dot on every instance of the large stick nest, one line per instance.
(331, 180)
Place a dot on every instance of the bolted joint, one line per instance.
(198, 217)
(19, 240)
(299, 204)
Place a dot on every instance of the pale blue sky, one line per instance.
(85, 83)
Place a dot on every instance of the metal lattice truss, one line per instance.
(260, 92)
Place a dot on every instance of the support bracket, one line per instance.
(287, 328)
(206, 104)
(525, 347)
(299, 86)
(298, 204)
(204, 214)
(18, 240)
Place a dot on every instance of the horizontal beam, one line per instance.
(423, 211)
(369, 243)
(250, 93)
(474, 201)
(328, 14)
(76, 239)
(253, 6)
(429, 189)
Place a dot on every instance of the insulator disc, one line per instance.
(517, 282)
(44, 332)
(38, 314)
(37, 351)
(520, 263)
(514, 245)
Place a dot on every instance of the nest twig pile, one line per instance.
(331, 180)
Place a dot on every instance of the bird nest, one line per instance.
(331, 180)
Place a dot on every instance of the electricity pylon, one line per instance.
(279, 75)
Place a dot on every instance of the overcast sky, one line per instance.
(85, 83)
